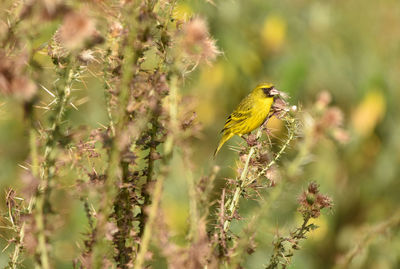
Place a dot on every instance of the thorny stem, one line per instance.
(199, 205)
(280, 251)
(244, 182)
(47, 173)
(168, 147)
(128, 72)
(150, 5)
(251, 229)
(107, 94)
(235, 200)
(150, 169)
(193, 210)
(291, 136)
(299, 233)
(44, 259)
(149, 224)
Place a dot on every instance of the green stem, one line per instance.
(39, 218)
(149, 172)
(251, 230)
(47, 174)
(291, 136)
(168, 147)
(242, 181)
(140, 259)
(107, 93)
(286, 252)
(245, 182)
(193, 208)
(112, 171)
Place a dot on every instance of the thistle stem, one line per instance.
(245, 182)
(48, 167)
(168, 148)
(242, 181)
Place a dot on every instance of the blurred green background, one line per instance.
(349, 48)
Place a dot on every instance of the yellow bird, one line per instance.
(250, 114)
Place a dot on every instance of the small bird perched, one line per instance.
(250, 114)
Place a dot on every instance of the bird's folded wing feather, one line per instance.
(241, 113)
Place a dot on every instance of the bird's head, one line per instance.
(267, 89)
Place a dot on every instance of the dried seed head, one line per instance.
(116, 29)
(251, 140)
(76, 28)
(333, 117)
(280, 107)
(13, 81)
(341, 135)
(86, 56)
(23, 88)
(313, 188)
(197, 41)
(188, 121)
(195, 31)
(312, 202)
(323, 100)
(273, 176)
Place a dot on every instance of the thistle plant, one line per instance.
(140, 57)
(311, 202)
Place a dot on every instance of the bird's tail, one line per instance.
(225, 137)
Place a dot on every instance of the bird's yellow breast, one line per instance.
(259, 113)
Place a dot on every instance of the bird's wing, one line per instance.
(241, 113)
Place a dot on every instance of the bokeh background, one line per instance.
(350, 49)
